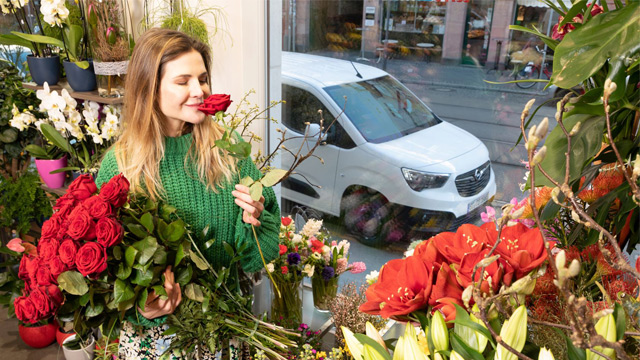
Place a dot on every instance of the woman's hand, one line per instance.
(251, 209)
(156, 307)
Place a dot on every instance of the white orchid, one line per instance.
(71, 102)
(54, 12)
(5, 6)
(19, 3)
(52, 102)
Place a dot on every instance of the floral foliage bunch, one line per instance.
(289, 265)
(83, 131)
(108, 31)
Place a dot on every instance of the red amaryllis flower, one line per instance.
(521, 247)
(467, 239)
(429, 253)
(215, 103)
(446, 285)
(447, 306)
(404, 286)
(496, 273)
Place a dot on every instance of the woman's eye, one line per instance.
(182, 83)
(203, 81)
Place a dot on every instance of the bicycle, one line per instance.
(495, 74)
(531, 71)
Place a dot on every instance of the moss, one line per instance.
(188, 24)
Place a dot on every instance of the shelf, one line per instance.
(89, 95)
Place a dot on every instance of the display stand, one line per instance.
(88, 95)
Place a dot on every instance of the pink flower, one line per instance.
(358, 267)
(16, 245)
(341, 265)
(490, 215)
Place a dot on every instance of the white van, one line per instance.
(391, 167)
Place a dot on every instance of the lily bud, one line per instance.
(541, 132)
(539, 156)
(575, 128)
(545, 354)
(606, 327)
(439, 332)
(455, 356)
(354, 346)
(517, 214)
(488, 261)
(561, 259)
(370, 353)
(475, 340)
(513, 333)
(374, 334)
(467, 294)
(636, 167)
(410, 347)
(523, 286)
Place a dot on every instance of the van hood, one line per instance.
(437, 144)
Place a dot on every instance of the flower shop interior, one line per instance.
(442, 179)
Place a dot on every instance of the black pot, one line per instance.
(80, 79)
(44, 69)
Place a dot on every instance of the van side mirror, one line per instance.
(313, 131)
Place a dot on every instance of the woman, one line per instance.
(166, 150)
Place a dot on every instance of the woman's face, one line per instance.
(183, 87)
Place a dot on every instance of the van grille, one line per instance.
(472, 182)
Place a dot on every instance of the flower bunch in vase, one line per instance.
(84, 131)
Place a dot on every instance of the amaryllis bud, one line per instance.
(111, 35)
(439, 332)
(513, 333)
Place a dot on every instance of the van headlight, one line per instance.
(419, 180)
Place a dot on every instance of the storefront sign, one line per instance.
(369, 16)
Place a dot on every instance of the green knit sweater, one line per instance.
(203, 208)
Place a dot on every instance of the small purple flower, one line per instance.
(327, 273)
(293, 258)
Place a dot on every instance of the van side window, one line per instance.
(301, 106)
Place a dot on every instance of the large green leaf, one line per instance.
(56, 138)
(147, 247)
(584, 51)
(40, 39)
(122, 291)
(147, 221)
(272, 177)
(73, 34)
(200, 263)
(10, 39)
(143, 277)
(584, 145)
(73, 282)
(194, 292)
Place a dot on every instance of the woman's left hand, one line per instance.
(251, 209)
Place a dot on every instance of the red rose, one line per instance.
(285, 270)
(116, 190)
(215, 103)
(25, 264)
(55, 294)
(67, 252)
(91, 259)
(82, 187)
(109, 232)
(283, 249)
(81, 226)
(65, 200)
(98, 208)
(286, 221)
(48, 248)
(43, 275)
(51, 228)
(57, 267)
(412, 276)
(42, 302)
(31, 267)
(25, 310)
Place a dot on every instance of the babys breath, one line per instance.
(312, 227)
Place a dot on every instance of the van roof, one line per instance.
(325, 71)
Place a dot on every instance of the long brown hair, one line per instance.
(141, 146)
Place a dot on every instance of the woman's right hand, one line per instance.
(155, 306)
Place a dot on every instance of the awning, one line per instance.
(536, 3)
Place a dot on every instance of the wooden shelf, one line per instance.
(89, 95)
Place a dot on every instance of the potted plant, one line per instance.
(24, 202)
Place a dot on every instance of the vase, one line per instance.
(85, 353)
(45, 167)
(38, 336)
(323, 292)
(80, 79)
(110, 77)
(44, 69)
(62, 335)
(286, 305)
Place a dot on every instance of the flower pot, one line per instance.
(323, 292)
(85, 353)
(80, 79)
(62, 335)
(45, 167)
(44, 69)
(286, 306)
(110, 76)
(38, 336)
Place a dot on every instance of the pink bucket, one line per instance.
(53, 181)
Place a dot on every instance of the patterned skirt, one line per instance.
(150, 344)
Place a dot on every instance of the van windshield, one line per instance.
(382, 109)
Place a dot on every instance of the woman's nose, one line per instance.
(195, 89)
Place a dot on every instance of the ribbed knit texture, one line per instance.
(200, 207)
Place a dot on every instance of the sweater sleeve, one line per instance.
(268, 230)
(108, 168)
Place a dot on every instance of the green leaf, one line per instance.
(463, 319)
(464, 349)
(584, 145)
(73, 34)
(200, 263)
(40, 39)
(209, 243)
(184, 275)
(84, 299)
(179, 255)
(255, 191)
(228, 249)
(546, 39)
(35, 150)
(147, 248)
(122, 292)
(142, 277)
(584, 51)
(147, 221)
(130, 256)
(160, 257)
(142, 299)
(577, 8)
(205, 305)
(240, 150)
(365, 340)
(246, 181)
(73, 282)
(56, 138)
(222, 144)
(222, 305)
(273, 177)
(621, 321)
(10, 39)
(137, 230)
(618, 75)
(573, 352)
(175, 231)
(124, 271)
(193, 292)
(160, 291)
(94, 310)
(117, 252)
(166, 211)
